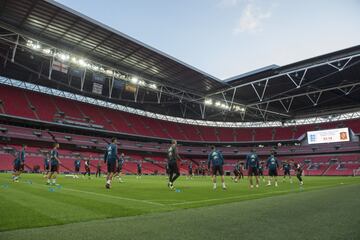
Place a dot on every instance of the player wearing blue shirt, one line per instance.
(77, 165)
(110, 159)
(272, 164)
(216, 161)
(54, 164)
(120, 164)
(252, 165)
(19, 163)
(286, 168)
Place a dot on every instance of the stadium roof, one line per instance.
(327, 84)
(58, 25)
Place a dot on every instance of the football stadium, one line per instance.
(105, 137)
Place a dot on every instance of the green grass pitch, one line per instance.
(146, 209)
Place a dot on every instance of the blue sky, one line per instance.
(229, 37)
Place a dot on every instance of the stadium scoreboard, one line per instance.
(328, 136)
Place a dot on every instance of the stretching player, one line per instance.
(77, 164)
(261, 171)
(54, 164)
(87, 168)
(19, 164)
(252, 165)
(139, 169)
(286, 168)
(299, 171)
(173, 157)
(216, 160)
(237, 171)
(110, 159)
(272, 164)
(98, 169)
(121, 161)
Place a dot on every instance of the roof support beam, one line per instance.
(15, 47)
(351, 85)
(298, 85)
(263, 91)
(285, 73)
(83, 80)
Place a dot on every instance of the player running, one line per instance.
(261, 171)
(252, 165)
(272, 164)
(299, 171)
(110, 159)
(173, 157)
(216, 161)
(98, 169)
(139, 169)
(286, 168)
(19, 163)
(190, 171)
(121, 161)
(77, 165)
(87, 167)
(54, 165)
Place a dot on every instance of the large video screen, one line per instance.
(328, 136)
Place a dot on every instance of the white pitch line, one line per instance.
(109, 196)
(235, 197)
(118, 197)
(219, 199)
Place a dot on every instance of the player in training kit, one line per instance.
(272, 164)
(139, 169)
(286, 168)
(190, 170)
(46, 164)
(299, 171)
(216, 162)
(87, 167)
(19, 163)
(77, 165)
(110, 159)
(237, 171)
(54, 165)
(121, 161)
(98, 169)
(252, 165)
(261, 171)
(173, 157)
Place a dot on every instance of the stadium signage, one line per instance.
(328, 136)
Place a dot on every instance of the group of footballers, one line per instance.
(256, 169)
(215, 162)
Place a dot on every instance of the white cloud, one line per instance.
(251, 19)
(228, 3)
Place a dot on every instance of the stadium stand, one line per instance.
(50, 108)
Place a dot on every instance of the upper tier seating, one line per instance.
(28, 104)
